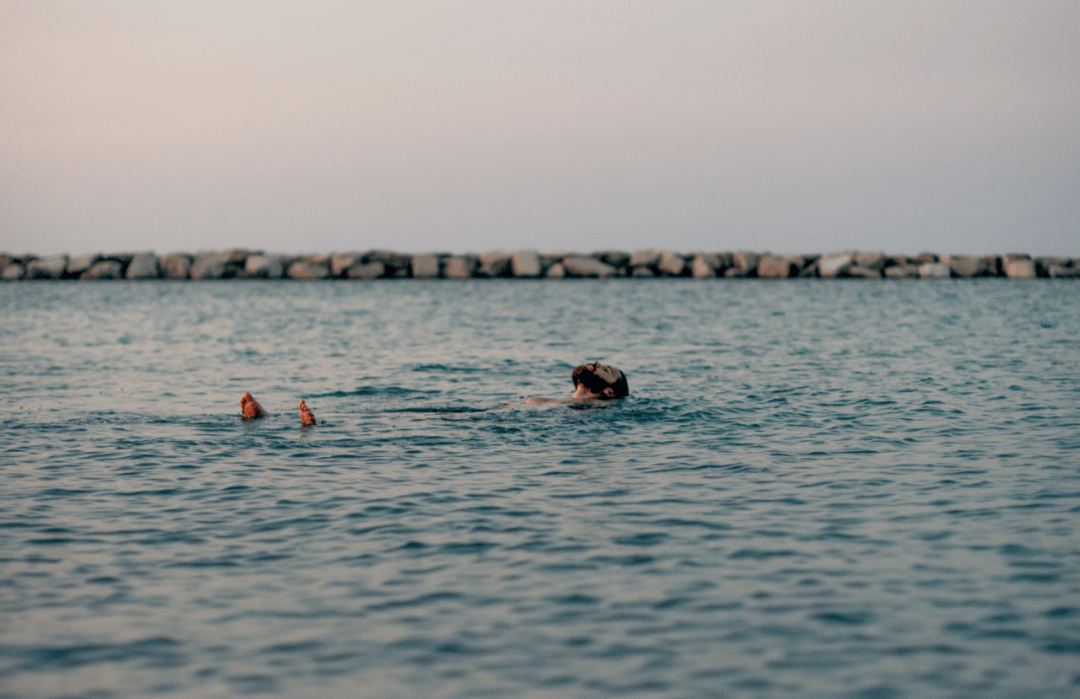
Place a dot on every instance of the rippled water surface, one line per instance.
(816, 489)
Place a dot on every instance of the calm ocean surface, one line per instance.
(816, 489)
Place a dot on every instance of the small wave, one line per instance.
(439, 409)
(450, 369)
(375, 391)
(45, 658)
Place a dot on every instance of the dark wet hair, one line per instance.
(596, 377)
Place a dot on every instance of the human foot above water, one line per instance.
(249, 409)
(306, 418)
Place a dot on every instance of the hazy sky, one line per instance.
(790, 126)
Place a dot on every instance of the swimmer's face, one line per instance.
(582, 392)
(596, 381)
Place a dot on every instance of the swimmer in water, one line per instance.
(592, 382)
(250, 410)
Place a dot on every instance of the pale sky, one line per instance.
(790, 126)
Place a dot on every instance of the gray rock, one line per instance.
(702, 266)
(530, 264)
(340, 262)
(210, 265)
(746, 262)
(525, 263)
(671, 264)
(904, 271)
(809, 267)
(395, 265)
(13, 272)
(460, 267)
(218, 265)
(577, 266)
(555, 271)
(78, 265)
(713, 259)
(366, 271)
(235, 258)
(318, 264)
(616, 258)
(124, 258)
(645, 257)
(52, 267)
(964, 266)
(1063, 272)
(494, 264)
(831, 266)
(425, 266)
(1019, 268)
(773, 267)
(264, 267)
(934, 270)
(1043, 264)
(175, 266)
(860, 272)
(303, 270)
(549, 258)
(799, 263)
(870, 260)
(105, 269)
(143, 266)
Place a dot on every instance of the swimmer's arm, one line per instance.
(540, 400)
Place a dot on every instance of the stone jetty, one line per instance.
(530, 264)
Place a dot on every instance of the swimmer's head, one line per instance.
(596, 381)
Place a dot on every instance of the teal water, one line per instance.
(816, 489)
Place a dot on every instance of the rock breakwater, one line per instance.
(530, 264)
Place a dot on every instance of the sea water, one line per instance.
(816, 489)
